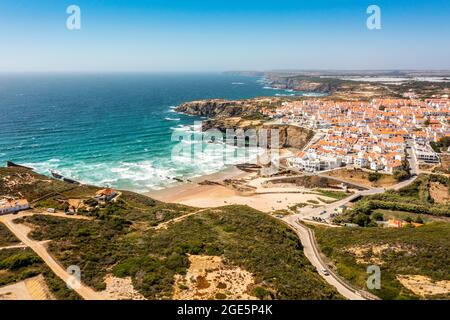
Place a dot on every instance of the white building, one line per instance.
(11, 206)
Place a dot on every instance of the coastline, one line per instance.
(216, 194)
(176, 193)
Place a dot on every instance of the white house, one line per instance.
(11, 206)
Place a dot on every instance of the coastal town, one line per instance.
(378, 165)
(374, 135)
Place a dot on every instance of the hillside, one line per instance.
(428, 195)
(414, 261)
(123, 241)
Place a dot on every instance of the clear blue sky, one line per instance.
(217, 35)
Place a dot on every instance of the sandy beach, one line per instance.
(205, 196)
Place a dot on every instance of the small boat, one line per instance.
(56, 174)
(68, 180)
(11, 164)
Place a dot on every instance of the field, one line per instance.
(361, 177)
(422, 254)
(154, 259)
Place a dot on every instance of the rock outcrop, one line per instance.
(218, 108)
(242, 114)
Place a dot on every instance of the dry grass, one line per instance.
(208, 277)
(424, 286)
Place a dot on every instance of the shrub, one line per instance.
(378, 216)
(401, 175)
(18, 261)
(374, 176)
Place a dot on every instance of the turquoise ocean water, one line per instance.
(110, 129)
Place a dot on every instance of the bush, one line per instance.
(18, 261)
(401, 175)
(261, 293)
(378, 216)
(362, 220)
(418, 219)
(374, 176)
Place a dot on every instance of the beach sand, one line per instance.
(205, 196)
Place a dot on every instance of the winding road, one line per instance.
(312, 251)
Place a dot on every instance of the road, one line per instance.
(312, 251)
(21, 232)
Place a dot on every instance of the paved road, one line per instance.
(312, 253)
(21, 232)
(310, 246)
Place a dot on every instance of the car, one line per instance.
(325, 272)
(323, 212)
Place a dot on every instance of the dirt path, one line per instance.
(164, 225)
(14, 246)
(21, 232)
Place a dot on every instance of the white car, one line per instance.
(325, 272)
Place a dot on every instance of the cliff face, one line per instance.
(218, 108)
(289, 136)
(240, 114)
(301, 84)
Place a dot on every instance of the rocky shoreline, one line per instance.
(245, 114)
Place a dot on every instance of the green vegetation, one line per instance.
(6, 237)
(374, 176)
(297, 206)
(442, 145)
(22, 263)
(338, 195)
(152, 257)
(408, 251)
(414, 198)
(25, 183)
(403, 173)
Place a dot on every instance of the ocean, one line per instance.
(111, 129)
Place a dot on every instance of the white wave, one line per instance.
(284, 94)
(172, 119)
(238, 83)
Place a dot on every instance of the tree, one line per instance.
(362, 220)
(408, 219)
(401, 175)
(378, 216)
(374, 176)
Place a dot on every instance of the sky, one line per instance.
(222, 35)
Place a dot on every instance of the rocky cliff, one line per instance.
(218, 108)
(244, 114)
(317, 85)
